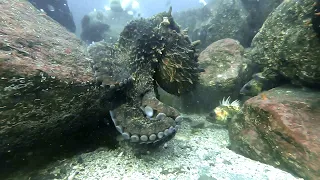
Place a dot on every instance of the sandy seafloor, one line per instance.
(194, 153)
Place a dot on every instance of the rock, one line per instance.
(236, 19)
(281, 128)
(221, 61)
(218, 20)
(287, 45)
(258, 13)
(47, 95)
(225, 71)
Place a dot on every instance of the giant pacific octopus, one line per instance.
(149, 53)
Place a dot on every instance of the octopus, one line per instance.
(149, 53)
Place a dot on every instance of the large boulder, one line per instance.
(287, 44)
(258, 13)
(218, 20)
(48, 103)
(236, 19)
(281, 127)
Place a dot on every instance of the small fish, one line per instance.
(221, 114)
(51, 8)
(225, 111)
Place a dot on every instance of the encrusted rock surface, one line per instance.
(223, 61)
(287, 44)
(281, 128)
(236, 19)
(258, 11)
(46, 90)
(218, 20)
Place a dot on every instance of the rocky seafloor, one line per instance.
(198, 151)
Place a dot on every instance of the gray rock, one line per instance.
(218, 20)
(236, 19)
(47, 94)
(278, 137)
(287, 45)
(258, 11)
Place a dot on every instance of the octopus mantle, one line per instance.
(149, 53)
